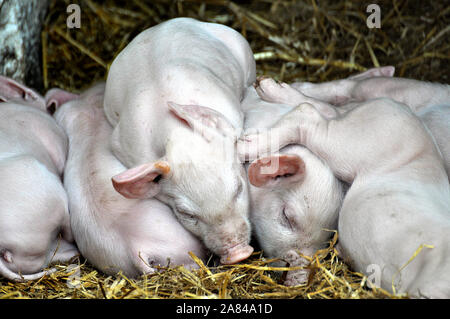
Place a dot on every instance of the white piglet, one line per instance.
(294, 196)
(429, 101)
(34, 216)
(394, 223)
(114, 233)
(173, 97)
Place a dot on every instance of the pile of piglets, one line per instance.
(388, 139)
(183, 151)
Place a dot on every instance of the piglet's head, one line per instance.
(201, 178)
(34, 220)
(295, 200)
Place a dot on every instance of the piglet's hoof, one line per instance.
(259, 79)
(297, 277)
(273, 91)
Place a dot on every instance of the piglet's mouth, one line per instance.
(236, 254)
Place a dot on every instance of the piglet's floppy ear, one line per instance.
(276, 170)
(203, 119)
(141, 181)
(55, 97)
(12, 90)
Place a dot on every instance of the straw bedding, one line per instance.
(309, 40)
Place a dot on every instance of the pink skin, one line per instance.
(55, 97)
(399, 195)
(437, 119)
(294, 196)
(338, 92)
(113, 232)
(34, 217)
(173, 98)
(236, 254)
(430, 101)
(12, 91)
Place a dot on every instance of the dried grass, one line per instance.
(309, 40)
(292, 41)
(253, 279)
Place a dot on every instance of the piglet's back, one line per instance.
(114, 233)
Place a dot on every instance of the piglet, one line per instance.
(395, 217)
(173, 97)
(112, 232)
(34, 217)
(429, 101)
(294, 196)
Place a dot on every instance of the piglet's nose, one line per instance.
(236, 254)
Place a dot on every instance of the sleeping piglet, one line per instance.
(173, 97)
(395, 217)
(34, 216)
(112, 232)
(294, 196)
(429, 101)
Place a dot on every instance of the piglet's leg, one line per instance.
(271, 91)
(286, 130)
(339, 92)
(415, 94)
(358, 141)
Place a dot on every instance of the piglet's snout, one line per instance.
(234, 238)
(236, 254)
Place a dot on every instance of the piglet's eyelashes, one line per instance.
(287, 220)
(186, 214)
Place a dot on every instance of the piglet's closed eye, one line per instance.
(276, 170)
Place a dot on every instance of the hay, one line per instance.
(253, 279)
(292, 41)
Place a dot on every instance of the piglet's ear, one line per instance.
(387, 71)
(276, 170)
(203, 119)
(141, 181)
(12, 90)
(55, 97)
